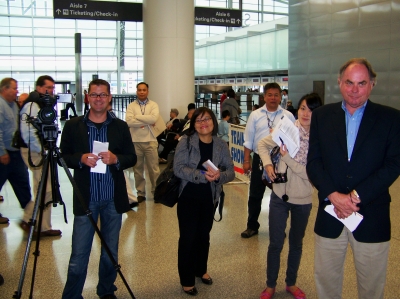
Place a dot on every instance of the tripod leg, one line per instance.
(39, 197)
(93, 223)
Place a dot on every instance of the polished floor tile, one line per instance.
(148, 252)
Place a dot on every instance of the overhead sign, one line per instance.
(97, 10)
(217, 17)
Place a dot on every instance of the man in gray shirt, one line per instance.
(12, 167)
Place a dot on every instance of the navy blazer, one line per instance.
(75, 142)
(374, 166)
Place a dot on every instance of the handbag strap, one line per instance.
(220, 205)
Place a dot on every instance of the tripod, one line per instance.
(53, 155)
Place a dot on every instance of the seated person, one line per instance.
(190, 107)
(223, 126)
(171, 143)
(172, 125)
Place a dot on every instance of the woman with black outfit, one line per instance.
(199, 193)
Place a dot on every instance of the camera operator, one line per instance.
(29, 133)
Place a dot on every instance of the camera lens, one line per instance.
(47, 115)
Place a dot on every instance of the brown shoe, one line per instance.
(24, 226)
(3, 220)
(50, 233)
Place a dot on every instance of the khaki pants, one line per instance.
(37, 174)
(370, 260)
(146, 152)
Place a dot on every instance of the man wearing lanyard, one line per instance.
(353, 159)
(140, 115)
(261, 122)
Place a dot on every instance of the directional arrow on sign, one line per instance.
(58, 11)
(238, 21)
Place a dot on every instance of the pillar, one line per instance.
(168, 53)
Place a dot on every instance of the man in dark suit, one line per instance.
(105, 193)
(353, 159)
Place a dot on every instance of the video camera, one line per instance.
(46, 117)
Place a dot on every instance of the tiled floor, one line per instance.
(148, 253)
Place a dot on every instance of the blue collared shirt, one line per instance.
(101, 185)
(257, 125)
(352, 125)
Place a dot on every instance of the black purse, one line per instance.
(167, 188)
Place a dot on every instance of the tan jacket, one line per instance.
(139, 124)
(298, 187)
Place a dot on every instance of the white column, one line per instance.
(168, 53)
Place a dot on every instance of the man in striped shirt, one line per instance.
(104, 193)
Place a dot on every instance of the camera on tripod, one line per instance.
(46, 117)
(47, 114)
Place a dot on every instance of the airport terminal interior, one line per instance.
(310, 38)
(148, 251)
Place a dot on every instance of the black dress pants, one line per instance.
(195, 216)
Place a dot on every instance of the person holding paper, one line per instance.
(104, 193)
(199, 194)
(293, 196)
(353, 159)
(260, 124)
(140, 115)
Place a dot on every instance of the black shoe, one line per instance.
(248, 233)
(63, 118)
(109, 296)
(133, 204)
(208, 280)
(191, 292)
(1, 280)
(141, 198)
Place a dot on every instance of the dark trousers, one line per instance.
(86, 108)
(195, 216)
(278, 215)
(170, 144)
(17, 174)
(257, 189)
(72, 106)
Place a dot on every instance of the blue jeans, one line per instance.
(278, 215)
(82, 238)
(17, 174)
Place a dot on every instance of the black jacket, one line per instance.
(75, 142)
(374, 166)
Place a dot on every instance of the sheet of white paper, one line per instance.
(289, 133)
(351, 222)
(99, 147)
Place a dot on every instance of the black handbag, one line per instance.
(167, 185)
(167, 188)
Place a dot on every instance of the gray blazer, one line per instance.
(186, 161)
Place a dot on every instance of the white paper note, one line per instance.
(289, 133)
(351, 222)
(99, 147)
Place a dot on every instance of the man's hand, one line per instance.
(247, 166)
(89, 159)
(5, 159)
(108, 158)
(169, 126)
(344, 204)
(177, 137)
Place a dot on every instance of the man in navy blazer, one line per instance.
(353, 158)
(104, 193)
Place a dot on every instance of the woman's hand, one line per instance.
(269, 169)
(212, 175)
(283, 150)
